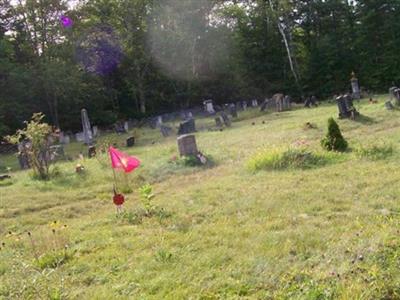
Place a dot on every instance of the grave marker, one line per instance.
(187, 145)
(186, 127)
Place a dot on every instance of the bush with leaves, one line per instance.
(37, 134)
(334, 141)
(146, 195)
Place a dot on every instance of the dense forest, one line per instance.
(132, 58)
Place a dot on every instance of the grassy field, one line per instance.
(330, 231)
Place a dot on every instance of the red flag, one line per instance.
(120, 160)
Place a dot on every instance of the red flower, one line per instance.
(118, 199)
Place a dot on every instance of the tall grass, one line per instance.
(288, 158)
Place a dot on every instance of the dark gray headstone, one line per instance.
(130, 141)
(225, 118)
(218, 122)
(91, 151)
(186, 127)
(165, 130)
(264, 105)
(342, 107)
(233, 110)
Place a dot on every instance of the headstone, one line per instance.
(346, 107)
(186, 127)
(355, 86)
(189, 115)
(187, 145)
(61, 137)
(264, 105)
(218, 122)
(209, 107)
(233, 110)
(389, 105)
(66, 140)
(165, 130)
(244, 105)
(225, 118)
(95, 131)
(87, 131)
(80, 137)
(238, 105)
(314, 100)
(254, 103)
(287, 103)
(4, 177)
(159, 121)
(126, 126)
(130, 141)
(56, 152)
(23, 157)
(342, 107)
(91, 151)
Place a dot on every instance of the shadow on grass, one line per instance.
(365, 120)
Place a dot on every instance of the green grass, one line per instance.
(326, 232)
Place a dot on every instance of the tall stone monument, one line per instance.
(355, 86)
(87, 131)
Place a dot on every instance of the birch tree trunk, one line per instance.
(287, 46)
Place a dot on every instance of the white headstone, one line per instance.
(95, 131)
(254, 103)
(159, 121)
(209, 107)
(80, 137)
(126, 126)
(66, 139)
(87, 131)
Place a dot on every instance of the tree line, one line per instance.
(132, 58)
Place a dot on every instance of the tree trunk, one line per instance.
(287, 46)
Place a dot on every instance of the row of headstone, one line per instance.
(310, 101)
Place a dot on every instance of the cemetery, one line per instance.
(199, 149)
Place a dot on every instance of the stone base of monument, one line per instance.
(187, 145)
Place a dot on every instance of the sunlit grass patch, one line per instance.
(379, 151)
(289, 158)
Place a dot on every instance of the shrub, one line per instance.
(334, 141)
(291, 158)
(54, 259)
(38, 149)
(375, 152)
(146, 196)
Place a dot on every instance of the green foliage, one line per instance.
(163, 256)
(54, 259)
(334, 141)
(146, 196)
(132, 217)
(292, 158)
(375, 152)
(37, 133)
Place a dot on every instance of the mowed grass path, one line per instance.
(331, 232)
